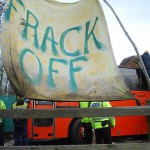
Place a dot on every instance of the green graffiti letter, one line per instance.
(34, 27)
(38, 78)
(51, 82)
(73, 84)
(52, 40)
(62, 40)
(88, 34)
(8, 11)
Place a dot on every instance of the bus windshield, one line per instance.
(134, 78)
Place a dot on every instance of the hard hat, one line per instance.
(146, 51)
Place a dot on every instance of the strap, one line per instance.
(89, 104)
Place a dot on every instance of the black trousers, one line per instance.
(103, 135)
(1, 135)
(88, 134)
(18, 133)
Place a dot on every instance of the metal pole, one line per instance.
(136, 50)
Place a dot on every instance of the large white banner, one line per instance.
(57, 51)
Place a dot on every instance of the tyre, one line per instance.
(76, 132)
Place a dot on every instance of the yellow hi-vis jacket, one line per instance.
(101, 122)
(20, 122)
(2, 106)
(24, 106)
(85, 105)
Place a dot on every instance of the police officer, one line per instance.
(86, 124)
(20, 125)
(2, 106)
(102, 125)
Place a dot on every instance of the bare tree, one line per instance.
(5, 87)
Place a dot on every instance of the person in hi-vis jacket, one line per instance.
(102, 125)
(86, 124)
(2, 106)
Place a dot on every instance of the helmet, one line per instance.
(146, 51)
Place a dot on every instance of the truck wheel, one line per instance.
(76, 132)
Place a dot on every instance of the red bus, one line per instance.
(58, 128)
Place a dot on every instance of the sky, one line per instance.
(135, 17)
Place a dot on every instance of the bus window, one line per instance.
(43, 122)
(43, 102)
(131, 78)
(142, 78)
